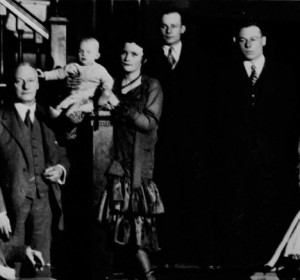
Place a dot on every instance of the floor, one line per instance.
(186, 272)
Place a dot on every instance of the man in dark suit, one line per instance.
(180, 162)
(256, 152)
(32, 165)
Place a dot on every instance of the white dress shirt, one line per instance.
(259, 65)
(22, 110)
(176, 51)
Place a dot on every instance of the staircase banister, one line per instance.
(28, 18)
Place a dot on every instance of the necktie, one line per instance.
(253, 76)
(171, 58)
(27, 120)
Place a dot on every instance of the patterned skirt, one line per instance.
(130, 213)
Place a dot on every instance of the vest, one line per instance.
(37, 186)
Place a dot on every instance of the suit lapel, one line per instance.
(14, 125)
(46, 135)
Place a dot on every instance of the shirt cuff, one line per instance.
(62, 179)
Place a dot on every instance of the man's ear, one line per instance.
(264, 40)
(183, 29)
(98, 55)
(234, 40)
(37, 84)
(144, 60)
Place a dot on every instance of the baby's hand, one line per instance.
(113, 100)
(108, 99)
(40, 73)
(103, 99)
(72, 69)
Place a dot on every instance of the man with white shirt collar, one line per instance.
(251, 42)
(172, 29)
(32, 166)
(256, 151)
(183, 69)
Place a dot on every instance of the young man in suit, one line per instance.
(256, 111)
(32, 165)
(180, 166)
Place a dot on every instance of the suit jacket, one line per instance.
(186, 90)
(256, 154)
(269, 127)
(14, 155)
(181, 152)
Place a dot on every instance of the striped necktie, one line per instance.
(253, 76)
(171, 58)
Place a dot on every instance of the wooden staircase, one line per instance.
(29, 33)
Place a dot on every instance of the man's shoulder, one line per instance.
(5, 108)
(43, 115)
(155, 51)
(275, 64)
(194, 54)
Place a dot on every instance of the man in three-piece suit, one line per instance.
(256, 111)
(180, 161)
(32, 165)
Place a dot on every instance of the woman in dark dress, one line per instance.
(132, 199)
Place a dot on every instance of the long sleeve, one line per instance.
(147, 119)
(56, 74)
(106, 79)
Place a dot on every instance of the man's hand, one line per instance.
(40, 73)
(7, 273)
(5, 227)
(35, 257)
(53, 173)
(73, 69)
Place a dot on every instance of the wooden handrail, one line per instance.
(26, 17)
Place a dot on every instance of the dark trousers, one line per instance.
(31, 226)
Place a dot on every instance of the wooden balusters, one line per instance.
(20, 31)
(2, 26)
(38, 40)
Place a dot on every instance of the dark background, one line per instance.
(210, 23)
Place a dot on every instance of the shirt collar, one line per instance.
(259, 64)
(176, 50)
(22, 110)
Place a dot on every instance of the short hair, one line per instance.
(25, 64)
(174, 10)
(90, 40)
(244, 23)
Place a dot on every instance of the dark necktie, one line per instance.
(171, 58)
(27, 120)
(253, 76)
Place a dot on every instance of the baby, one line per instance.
(83, 79)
